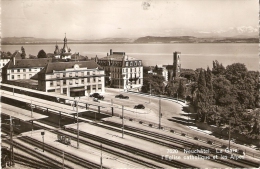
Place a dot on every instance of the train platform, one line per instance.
(84, 151)
(202, 136)
(144, 145)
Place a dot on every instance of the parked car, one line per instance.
(95, 99)
(97, 95)
(120, 96)
(139, 106)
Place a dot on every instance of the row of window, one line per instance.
(20, 76)
(77, 81)
(76, 74)
(25, 70)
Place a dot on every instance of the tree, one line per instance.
(42, 54)
(156, 82)
(236, 72)
(181, 89)
(23, 55)
(218, 69)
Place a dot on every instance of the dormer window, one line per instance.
(126, 63)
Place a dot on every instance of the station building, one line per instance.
(71, 78)
(17, 69)
(122, 71)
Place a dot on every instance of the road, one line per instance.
(172, 112)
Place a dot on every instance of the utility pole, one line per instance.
(159, 112)
(31, 109)
(11, 141)
(42, 133)
(63, 159)
(229, 135)
(122, 121)
(101, 157)
(77, 125)
(150, 92)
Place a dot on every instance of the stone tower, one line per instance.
(176, 64)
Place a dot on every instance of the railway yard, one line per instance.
(41, 132)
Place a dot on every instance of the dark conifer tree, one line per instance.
(23, 55)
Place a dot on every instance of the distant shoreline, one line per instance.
(121, 43)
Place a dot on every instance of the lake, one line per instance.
(193, 55)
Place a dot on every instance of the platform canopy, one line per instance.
(19, 113)
(57, 107)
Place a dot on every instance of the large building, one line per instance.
(174, 70)
(122, 71)
(63, 53)
(17, 69)
(72, 78)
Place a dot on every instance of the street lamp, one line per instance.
(42, 133)
(122, 121)
(160, 114)
(77, 125)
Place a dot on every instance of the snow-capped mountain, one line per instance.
(242, 31)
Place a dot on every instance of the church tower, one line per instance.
(57, 50)
(65, 48)
(176, 64)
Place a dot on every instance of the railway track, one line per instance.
(42, 157)
(175, 140)
(105, 149)
(67, 156)
(133, 150)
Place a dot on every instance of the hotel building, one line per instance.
(122, 71)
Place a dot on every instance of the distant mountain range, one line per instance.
(147, 39)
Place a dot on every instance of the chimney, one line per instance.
(111, 53)
(14, 60)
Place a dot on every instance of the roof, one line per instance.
(17, 55)
(118, 57)
(28, 63)
(61, 66)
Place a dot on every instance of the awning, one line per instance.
(77, 90)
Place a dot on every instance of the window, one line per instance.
(94, 79)
(65, 90)
(76, 81)
(24, 70)
(70, 82)
(12, 70)
(88, 73)
(82, 73)
(126, 63)
(51, 83)
(88, 80)
(82, 81)
(99, 86)
(12, 76)
(58, 83)
(135, 63)
(30, 69)
(131, 63)
(24, 76)
(18, 70)
(140, 63)
(64, 75)
(94, 87)
(76, 74)
(58, 75)
(70, 74)
(64, 82)
(99, 79)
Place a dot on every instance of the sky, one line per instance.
(96, 19)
